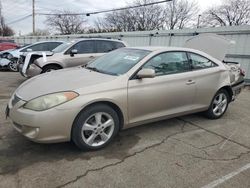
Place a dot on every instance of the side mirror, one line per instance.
(146, 73)
(73, 52)
(29, 50)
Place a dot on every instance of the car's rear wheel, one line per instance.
(218, 105)
(95, 127)
(50, 68)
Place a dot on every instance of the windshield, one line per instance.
(119, 61)
(61, 47)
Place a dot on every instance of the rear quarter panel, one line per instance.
(208, 82)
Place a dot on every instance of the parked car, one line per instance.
(71, 54)
(8, 46)
(4, 63)
(13, 55)
(124, 88)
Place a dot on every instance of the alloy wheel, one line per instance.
(97, 129)
(13, 66)
(220, 104)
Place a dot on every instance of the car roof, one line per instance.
(115, 40)
(161, 48)
(46, 42)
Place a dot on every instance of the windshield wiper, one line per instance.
(100, 71)
(93, 69)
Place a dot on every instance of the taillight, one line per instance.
(242, 72)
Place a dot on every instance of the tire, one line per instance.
(50, 68)
(12, 66)
(95, 127)
(217, 107)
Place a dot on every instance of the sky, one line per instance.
(16, 9)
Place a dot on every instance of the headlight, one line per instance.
(49, 101)
(10, 56)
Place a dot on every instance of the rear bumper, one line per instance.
(237, 88)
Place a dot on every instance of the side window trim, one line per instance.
(133, 77)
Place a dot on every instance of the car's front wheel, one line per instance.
(13, 66)
(218, 105)
(95, 127)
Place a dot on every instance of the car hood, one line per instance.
(61, 80)
(50, 57)
(16, 52)
(212, 44)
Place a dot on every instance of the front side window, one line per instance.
(39, 47)
(35, 47)
(200, 62)
(84, 47)
(119, 61)
(46, 46)
(168, 63)
(62, 47)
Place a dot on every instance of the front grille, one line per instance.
(15, 100)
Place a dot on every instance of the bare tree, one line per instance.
(40, 32)
(4, 29)
(231, 12)
(180, 13)
(171, 15)
(138, 19)
(66, 23)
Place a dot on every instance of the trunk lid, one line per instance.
(212, 44)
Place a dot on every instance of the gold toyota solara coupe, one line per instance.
(124, 88)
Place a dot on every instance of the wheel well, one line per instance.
(53, 64)
(110, 104)
(229, 91)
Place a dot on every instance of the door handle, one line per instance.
(91, 56)
(189, 82)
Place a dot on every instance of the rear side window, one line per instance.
(117, 45)
(107, 46)
(200, 62)
(104, 46)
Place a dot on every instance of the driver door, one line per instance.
(170, 92)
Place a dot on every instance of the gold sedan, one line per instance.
(124, 88)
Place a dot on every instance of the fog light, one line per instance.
(30, 132)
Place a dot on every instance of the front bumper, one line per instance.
(49, 126)
(4, 67)
(31, 71)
